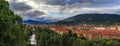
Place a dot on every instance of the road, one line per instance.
(33, 41)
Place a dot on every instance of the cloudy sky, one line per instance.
(53, 10)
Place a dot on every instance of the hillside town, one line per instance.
(89, 32)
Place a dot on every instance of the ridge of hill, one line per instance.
(96, 19)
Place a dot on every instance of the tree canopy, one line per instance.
(12, 32)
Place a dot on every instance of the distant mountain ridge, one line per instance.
(103, 19)
(35, 22)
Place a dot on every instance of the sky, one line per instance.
(54, 10)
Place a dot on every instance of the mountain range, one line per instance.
(35, 22)
(101, 19)
(97, 19)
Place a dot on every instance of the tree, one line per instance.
(12, 30)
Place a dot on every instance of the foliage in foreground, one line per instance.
(12, 32)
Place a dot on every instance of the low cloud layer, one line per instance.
(53, 10)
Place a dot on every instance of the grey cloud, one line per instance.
(50, 2)
(33, 14)
(58, 2)
(63, 2)
(19, 6)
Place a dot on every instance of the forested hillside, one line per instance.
(96, 19)
(12, 32)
